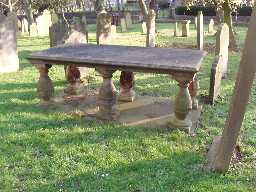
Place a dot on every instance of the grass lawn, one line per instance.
(42, 150)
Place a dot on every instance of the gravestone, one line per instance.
(123, 25)
(151, 29)
(9, 61)
(211, 26)
(219, 66)
(24, 25)
(85, 27)
(176, 30)
(222, 44)
(58, 32)
(172, 12)
(200, 30)
(195, 22)
(33, 30)
(113, 31)
(103, 34)
(185, 28)
(128, 19)
(43, 22)
(144, 27)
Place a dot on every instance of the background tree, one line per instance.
(227, 6)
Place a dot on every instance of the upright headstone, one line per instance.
(123, 25)
(113, 31)
(172, 12)
(185, 28)
(200, 30)
(176, 30)
(44, 21)
(24, 27)
(144, 27)
(151, 29)
(222, 44)
(9, 61)
(128, 19)
(103, 29)
(33, 30)
(219, 65)
(211, 26)
(195, 22)
(58, 33)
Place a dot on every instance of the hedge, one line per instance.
(209, 10)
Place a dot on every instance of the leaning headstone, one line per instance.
(222, 44)
(9, 61)
(185, 28)
(151, 29)
(219, 66)
(211, 26)
(128, 19)
(200, 30)
(44, 21)
(123, 25)
(144, 27)
(176, 30)
(103, 28)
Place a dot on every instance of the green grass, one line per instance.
(43, 150)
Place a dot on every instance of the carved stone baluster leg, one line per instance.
(45, 88)
(193, 90)
(107, 96)
(73, 76)
(127, 93)
(183, 104)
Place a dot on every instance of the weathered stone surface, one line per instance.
(113, 31)
(195, 22)
(219, 66)
(103, 35)
(200, 30)
(144, 27)
(215, 79)
(127, 93)
(222, 44)
(176, 30)
(211, 26)
(33, 30)
(123, 25)
(161, 60)
(9, 61)
(151, 29)
(185, 28)
(128, 19)
(24, 25)
(172, 12)
(43, 22)
(58, 33)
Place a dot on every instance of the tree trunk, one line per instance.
(220, 153)
(228, 20)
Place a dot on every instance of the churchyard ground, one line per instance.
(45, 150)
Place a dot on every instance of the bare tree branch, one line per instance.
(4, 4)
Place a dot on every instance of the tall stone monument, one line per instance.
(200, 30)
(9, 61)
(103, 28)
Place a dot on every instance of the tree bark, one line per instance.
(228, 20)
(221, 151)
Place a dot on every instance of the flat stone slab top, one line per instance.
(156, 60)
